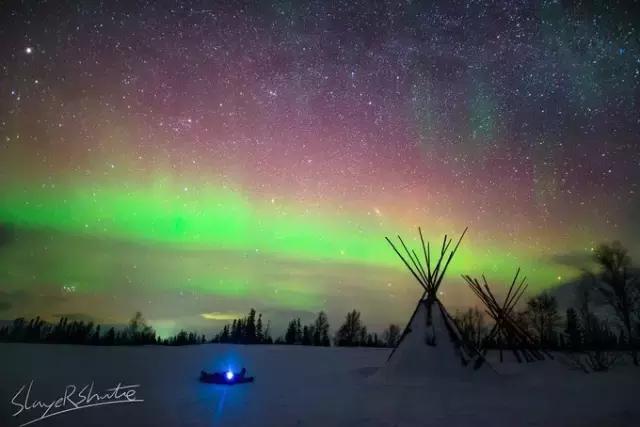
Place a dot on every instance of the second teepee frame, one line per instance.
(506, 332)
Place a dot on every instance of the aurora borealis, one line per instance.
(195, 159)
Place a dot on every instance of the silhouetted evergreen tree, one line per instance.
(321, 330)
(95, 338)
(250, 328)
(259, 331)
(291, 335)
(225, 336)
(351, 331)
(234, 331)
(362, 339)
(307, 335)
(110, 337)
(298, 331)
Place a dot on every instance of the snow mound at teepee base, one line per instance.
(430, 350)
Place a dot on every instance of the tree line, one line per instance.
(352, 333)
(246, 330)
(137, 332)
(605, 321)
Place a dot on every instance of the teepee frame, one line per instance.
(429, 273)
(506, 332)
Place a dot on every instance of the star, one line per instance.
(286, 134)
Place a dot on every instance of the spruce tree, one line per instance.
(321, 330)
(109, 337)
(233, 332)
(250, 328)
(259, 333)
(298, 331)
(306, 335)
(290, 336)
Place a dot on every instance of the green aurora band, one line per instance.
(226, 220)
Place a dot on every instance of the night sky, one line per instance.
(194, 159)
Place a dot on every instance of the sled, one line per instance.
(218, 378)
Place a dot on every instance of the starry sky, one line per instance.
(194, 159)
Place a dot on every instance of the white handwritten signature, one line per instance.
(72, 401)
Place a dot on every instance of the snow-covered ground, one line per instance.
(303, 386)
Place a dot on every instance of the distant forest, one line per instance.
(605, 322)
(246, 330)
